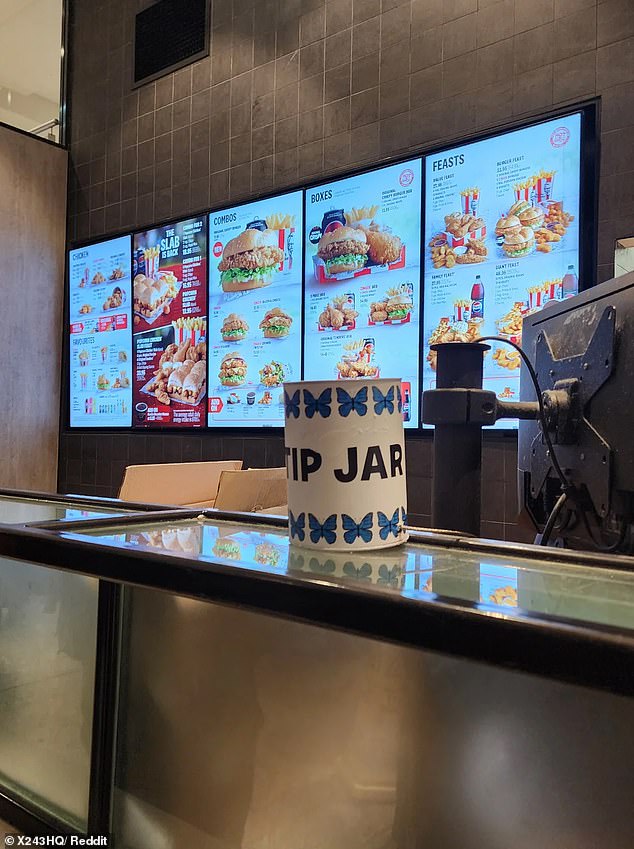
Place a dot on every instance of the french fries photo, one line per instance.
(277, 221)
(360, 214)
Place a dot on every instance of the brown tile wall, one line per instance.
(295, 89)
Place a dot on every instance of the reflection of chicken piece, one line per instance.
(384, 247)
(506, 596)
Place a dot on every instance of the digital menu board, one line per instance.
(254, 310)
(362, 279)
(501, 240)
(170, 325)
(100, 334)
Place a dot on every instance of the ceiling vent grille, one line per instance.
(169, 35)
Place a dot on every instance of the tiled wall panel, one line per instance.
(295, 89)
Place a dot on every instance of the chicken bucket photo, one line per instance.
(345, 464)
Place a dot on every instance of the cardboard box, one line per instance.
(180, 484)
(252, 490)
(279, 510)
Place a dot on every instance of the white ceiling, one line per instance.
(30, 42)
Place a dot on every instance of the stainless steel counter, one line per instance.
(451, 692)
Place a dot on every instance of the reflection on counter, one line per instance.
(416, 571)
(14, 511)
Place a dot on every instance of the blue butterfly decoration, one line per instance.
(320, 405)
(297, 525)
(363, 573)
(326, 531)
(404, 513)
(399, 399)
(291, 404)
(388, 526)
(354, 531)
(383, 402)
(348, 403)
(390, 577)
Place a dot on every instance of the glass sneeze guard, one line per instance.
(496, 582)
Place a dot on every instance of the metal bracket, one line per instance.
(578, 443)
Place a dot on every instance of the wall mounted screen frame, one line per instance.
(587, 224)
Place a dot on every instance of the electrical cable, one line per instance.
(552, 518)
(600, 545)
(566, 486)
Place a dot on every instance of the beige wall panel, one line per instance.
(32, 234)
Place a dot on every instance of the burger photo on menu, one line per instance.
(533, 209)
(234, 328)
(343, 251)
(250, 260)
(233, 370)
(276, 324)
(354, 241)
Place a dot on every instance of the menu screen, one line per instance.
(501, 240)
(254, 310)
(100, 334)
(362, 279)
(170, 325)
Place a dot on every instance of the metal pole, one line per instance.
(458, 447)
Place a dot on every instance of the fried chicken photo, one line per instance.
(384, 247)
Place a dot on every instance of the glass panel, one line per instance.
(244, 731)
(30, 64)
(585, 593)
(48, 627)
(14, 511)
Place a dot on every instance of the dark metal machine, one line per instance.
(575, 421)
